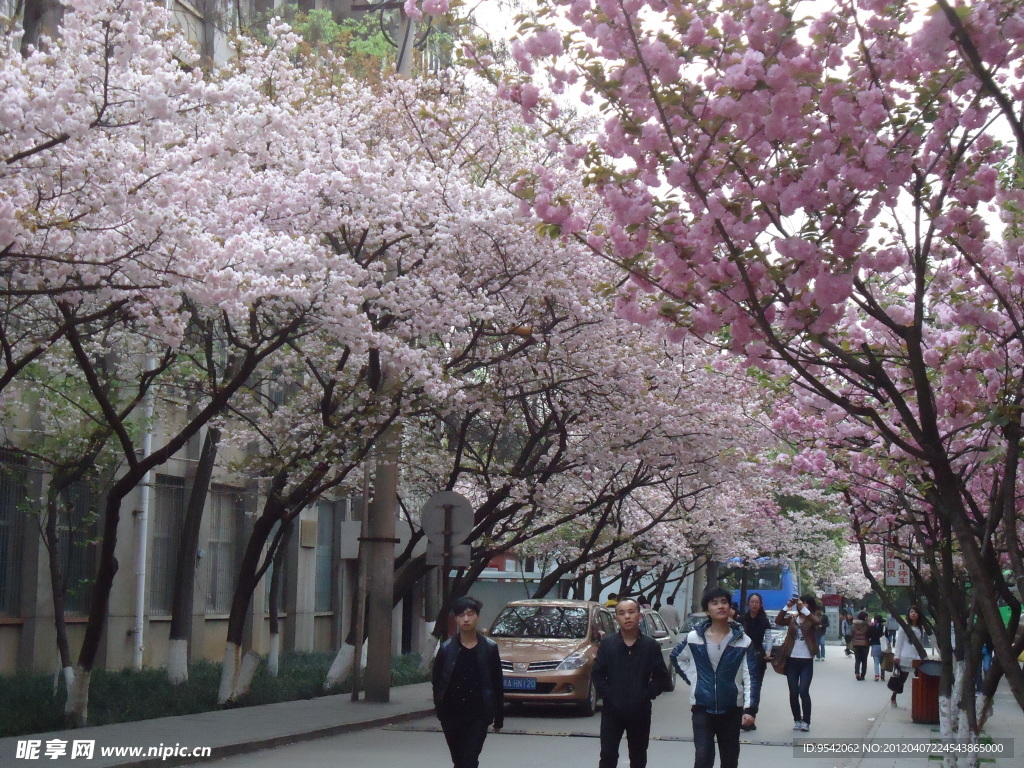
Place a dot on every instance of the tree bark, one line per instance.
(185, 564)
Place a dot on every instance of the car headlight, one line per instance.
(572, 661)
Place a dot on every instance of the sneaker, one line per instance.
(805, 726)
(799, 726)
(876, 678)
(751, 727)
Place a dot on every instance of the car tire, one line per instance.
(589, 705)
(672, 676)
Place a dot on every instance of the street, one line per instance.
(552, 738)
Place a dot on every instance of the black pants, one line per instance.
(725, 728)
(799, 673)
(860, 660)
(465, 737)
(637, 727)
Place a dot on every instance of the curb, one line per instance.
(242, 748)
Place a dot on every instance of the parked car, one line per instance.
(651, 623)
(547, 650)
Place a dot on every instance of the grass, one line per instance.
(28, 703)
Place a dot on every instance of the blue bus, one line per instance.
(772, 578)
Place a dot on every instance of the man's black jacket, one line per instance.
(629, 677)
(489, 666)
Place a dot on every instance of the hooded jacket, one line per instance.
(716, 689)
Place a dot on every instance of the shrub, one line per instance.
(28, 703)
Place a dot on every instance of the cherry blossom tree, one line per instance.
(836, 197)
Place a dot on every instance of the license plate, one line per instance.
(520, 683)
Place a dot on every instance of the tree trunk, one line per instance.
(185, 565)
(274, 600)
(42, 19)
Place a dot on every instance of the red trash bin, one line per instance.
(924, 693)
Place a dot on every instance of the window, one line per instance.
(169, 502)
(77, 534)
(227, 518)
(323, 596)
(548, 621)
(12, 521)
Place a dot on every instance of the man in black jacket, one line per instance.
(629, 672)
(468, 686)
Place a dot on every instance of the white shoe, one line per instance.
(799, 726)
(805, 726)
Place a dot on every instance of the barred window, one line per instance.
(77, 536)
(227, 518)
(169, 501)
(326, 514)
(13, 495)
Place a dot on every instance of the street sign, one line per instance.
(447, 519)
(458, 556)
(897, 572)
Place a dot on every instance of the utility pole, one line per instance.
(380, 542)
(383, 512)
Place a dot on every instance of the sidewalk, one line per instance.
(229, 732)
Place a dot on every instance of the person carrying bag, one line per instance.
(897, 680)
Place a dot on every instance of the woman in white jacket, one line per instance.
(905, 650)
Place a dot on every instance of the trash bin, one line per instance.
(924, 693)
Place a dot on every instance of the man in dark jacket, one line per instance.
(468, 687)
(629, 673)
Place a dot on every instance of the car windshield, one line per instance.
(550, 621)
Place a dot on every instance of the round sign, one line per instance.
(432, 516)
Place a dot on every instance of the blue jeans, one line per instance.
(799, 673)
(725, 728)
(821, 646)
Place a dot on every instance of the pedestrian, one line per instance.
(846, 630)
(612, 601)
(759, 629)
(670, 614)
(876, 634)
(904, 650)
(629, 673)
(823, 625)
(468, 686)
(800, 647)
(859, 631)
(891, 627)
(714, 661)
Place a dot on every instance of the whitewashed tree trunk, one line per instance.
(68, 673)
(177, 662)
(77, 707)
(274, 656)
(430, 645)
(237, 673)
(342, 665)
(229, 672)
(250, 663)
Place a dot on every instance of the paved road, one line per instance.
(549, 738)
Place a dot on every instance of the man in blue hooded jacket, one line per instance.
(714, 662)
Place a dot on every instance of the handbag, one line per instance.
(781, 656)
(887, 660)
(898, 678)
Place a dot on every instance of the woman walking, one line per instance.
(759, 629)
(876, 634)
(800, 648)
(905, 650)
(859, 631)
